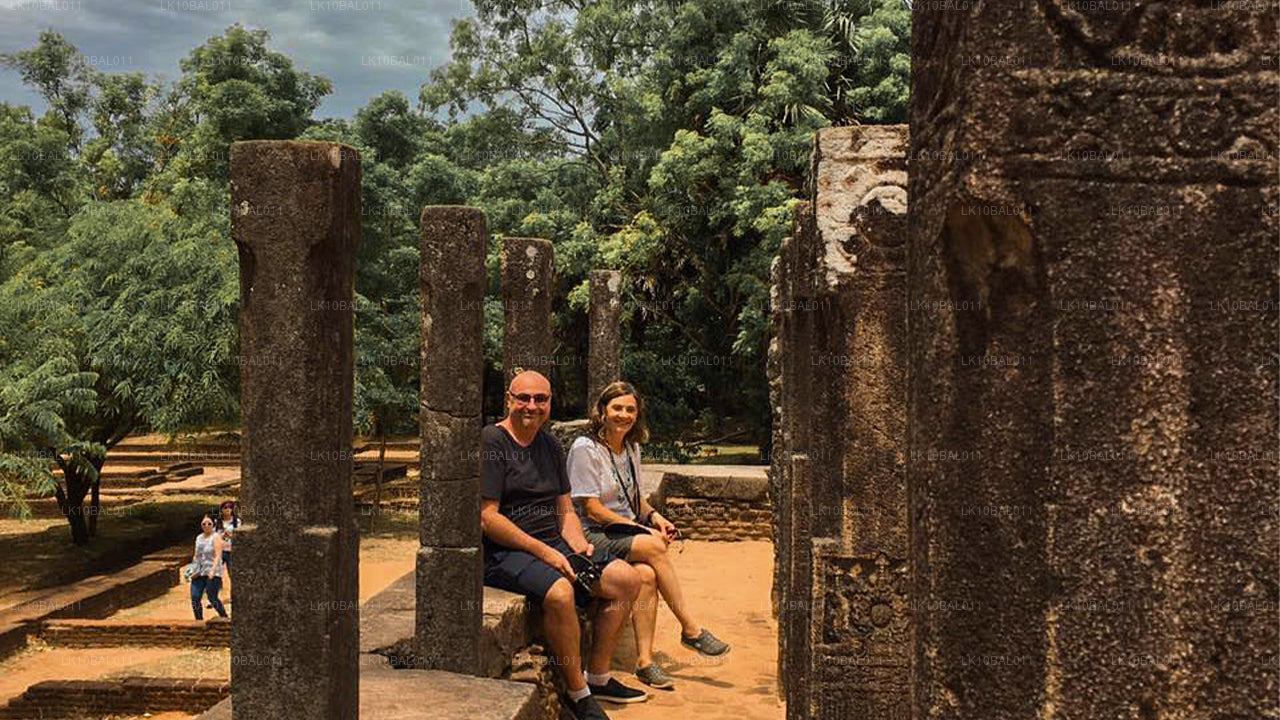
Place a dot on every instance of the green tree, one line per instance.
(146, 303)
(683, 133)
(234, 88)
(58, 72)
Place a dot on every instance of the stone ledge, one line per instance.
(93, 597)
(387, 626)
(748, 486)
(388, 694)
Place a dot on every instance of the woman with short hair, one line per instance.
(604, 471)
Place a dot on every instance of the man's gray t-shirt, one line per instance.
(526, 481)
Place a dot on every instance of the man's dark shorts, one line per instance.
(519, 572)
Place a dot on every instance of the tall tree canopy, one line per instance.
(666, 140)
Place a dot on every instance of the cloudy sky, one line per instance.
(363, 46)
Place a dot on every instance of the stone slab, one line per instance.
(387, 626)
(449, 581)
(387, 694)
(722, 485)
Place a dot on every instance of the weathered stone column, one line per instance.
(1093, 275)
(606, 316)
(450, 600)
(295, 219)
(839, 310)
(528, 267)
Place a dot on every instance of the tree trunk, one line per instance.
(95, 504)
(71, 503)
(377, 478)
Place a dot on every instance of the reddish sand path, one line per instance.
(382, 561)
(727, 585)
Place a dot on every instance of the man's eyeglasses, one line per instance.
(526, 398)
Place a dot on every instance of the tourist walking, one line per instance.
(604, 471)
(206, 580)
(226, 525)
(533, 538)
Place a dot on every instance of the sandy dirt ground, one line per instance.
(382, 561)
(727, 585)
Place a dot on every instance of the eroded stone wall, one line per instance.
(1093, 342)
(839, 457)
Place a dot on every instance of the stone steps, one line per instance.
(388, 694)
(77, 633)
(92, 598)
(125, 696)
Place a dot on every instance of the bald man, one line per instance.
(529, 525)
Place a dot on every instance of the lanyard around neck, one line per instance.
(633, 503)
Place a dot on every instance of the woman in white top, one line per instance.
(604, 470)
(207, 579)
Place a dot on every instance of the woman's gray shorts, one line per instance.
(616, 544)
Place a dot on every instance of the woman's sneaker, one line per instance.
(706, 643)
(655, 677)
(588, 709)
(614, 691)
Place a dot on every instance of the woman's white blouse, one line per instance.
(590, 475)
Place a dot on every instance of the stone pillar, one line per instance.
(528, 269)
(295, 219)
(606, 316)
(450, 600)
(839, 309)
(1093, 274)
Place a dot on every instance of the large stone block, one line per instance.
(528, 275)
(292, 645)
(450, 447)
(450, 608)
(1093, 268)
(722, 487)
(449, 513)
(387, 694)
(296, 225)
